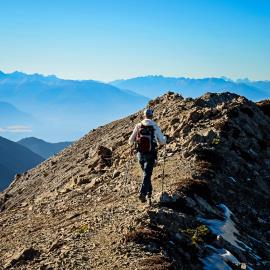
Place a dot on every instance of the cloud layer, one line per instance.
(15, 129)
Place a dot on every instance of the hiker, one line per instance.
(146, 135)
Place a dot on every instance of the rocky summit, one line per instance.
(80, 208)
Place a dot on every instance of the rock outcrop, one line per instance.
(79, 209)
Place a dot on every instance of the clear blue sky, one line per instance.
(113, 39)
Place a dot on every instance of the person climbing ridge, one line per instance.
(146, 136)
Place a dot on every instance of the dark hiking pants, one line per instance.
(147, 162)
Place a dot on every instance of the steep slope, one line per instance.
(42, 148)
(15, 159)
(64, 109)
(79, 209)
(153, 86)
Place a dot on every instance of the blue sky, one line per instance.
(113, 39)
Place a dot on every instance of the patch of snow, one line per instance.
(250, 250)
(233, 179)
(225, 228)
(253, 152)
(254, 239)
(228, 257)
(217, 260)
(262, 221)
(258, 241)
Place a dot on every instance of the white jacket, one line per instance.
(159, 137)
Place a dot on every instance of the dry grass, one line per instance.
(156, 262)
(146, 236)
(191, 186)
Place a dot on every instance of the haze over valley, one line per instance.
(59, 110)
(55, 109)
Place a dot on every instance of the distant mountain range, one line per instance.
(64, 109)
(59, 110)
(10, 115)
(153, 86)
(15, 158)
(42, 148)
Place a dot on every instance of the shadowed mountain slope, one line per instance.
(42, 148)
(79, 209)
(15, 159)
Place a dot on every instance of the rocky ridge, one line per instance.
(79, 209)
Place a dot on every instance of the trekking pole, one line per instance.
(127, 171)
(163, 170)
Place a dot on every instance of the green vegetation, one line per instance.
(198, 235)
(84, 228)
(216, 141)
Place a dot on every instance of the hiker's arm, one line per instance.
(133, 136)
(160, 137)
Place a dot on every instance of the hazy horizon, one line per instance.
(128, 78)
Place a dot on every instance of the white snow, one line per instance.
(225, 228)
(233, 179)
(251, 252)
(217, 260)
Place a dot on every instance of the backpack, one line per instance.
(145, 139)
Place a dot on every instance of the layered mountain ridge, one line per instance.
(152, 86)
(43, 148)
(15, 159)
(79, 209)
(10, 115)
(64, 109)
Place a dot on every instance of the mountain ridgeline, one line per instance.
(57, 109)
(10, 115)
(152, 86)
(43, 148)
(15, 159)
(63, 109)
(80, 208)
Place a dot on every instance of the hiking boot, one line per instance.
(142, 198)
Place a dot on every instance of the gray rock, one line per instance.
(22, 256)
